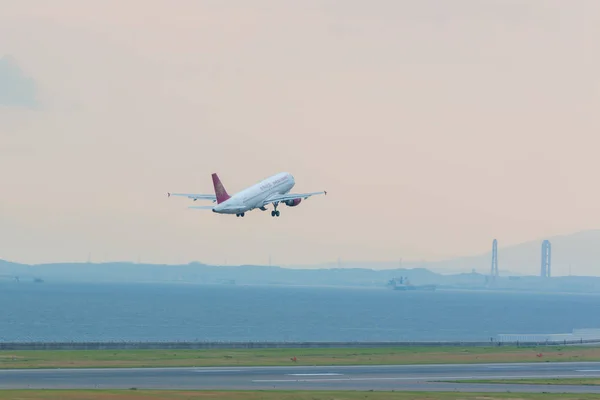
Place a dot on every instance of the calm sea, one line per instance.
(142, 312)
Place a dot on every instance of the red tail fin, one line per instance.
(220, 191)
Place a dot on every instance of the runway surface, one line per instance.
(395, 377)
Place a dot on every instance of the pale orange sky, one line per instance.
(435, 126)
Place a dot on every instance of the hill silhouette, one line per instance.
(580, 250)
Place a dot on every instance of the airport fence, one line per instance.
(269, 345)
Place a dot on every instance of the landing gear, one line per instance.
(275, 212)
(240, 215)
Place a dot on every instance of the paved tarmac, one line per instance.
(396, 377)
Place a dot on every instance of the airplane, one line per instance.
(272, 190)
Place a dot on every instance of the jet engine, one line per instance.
(293, 202)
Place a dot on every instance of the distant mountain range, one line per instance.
(196, 273)
(578, 252)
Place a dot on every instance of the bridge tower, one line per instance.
(494, 272)
(546, 270)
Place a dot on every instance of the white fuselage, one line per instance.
(256, 195)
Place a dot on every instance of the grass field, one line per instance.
(274, 395)
(278, 357)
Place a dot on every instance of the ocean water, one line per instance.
(173, 312)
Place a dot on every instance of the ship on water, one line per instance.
(404, 284)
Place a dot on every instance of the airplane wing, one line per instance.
(194, 196)
(291, 196)
(202, 207)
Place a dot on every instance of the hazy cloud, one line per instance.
(16, 89)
